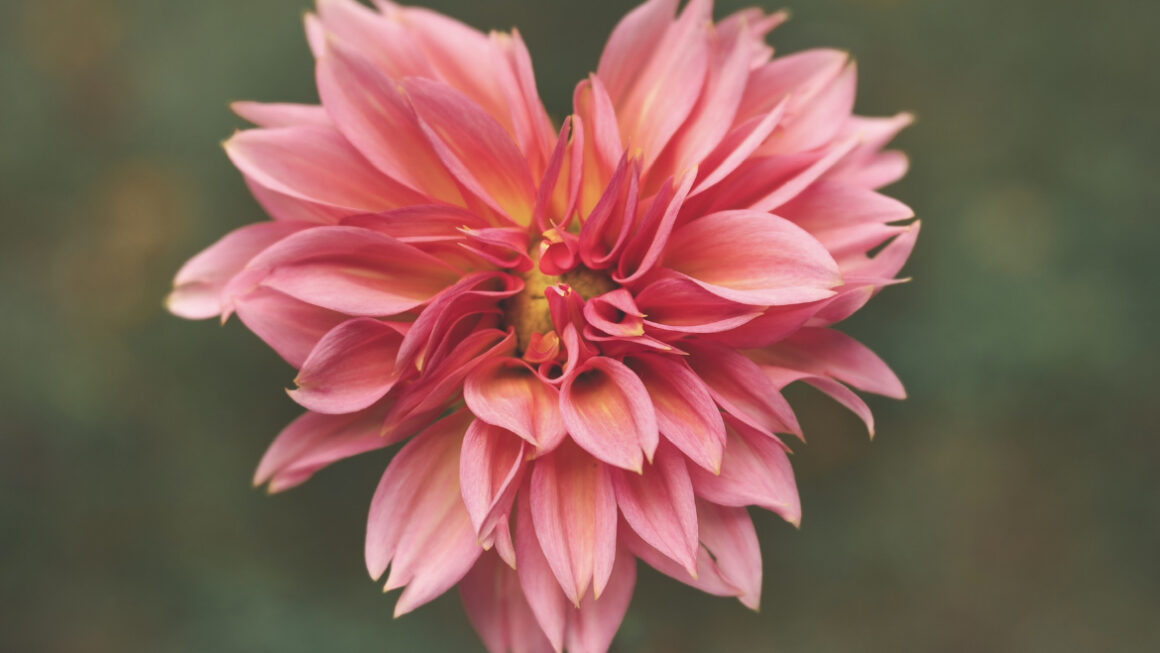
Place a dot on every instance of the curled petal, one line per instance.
(508, 393)
(351, 367)
(608, 412)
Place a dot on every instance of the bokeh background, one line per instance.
(1011, 504)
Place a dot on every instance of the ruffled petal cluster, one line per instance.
(579, 332)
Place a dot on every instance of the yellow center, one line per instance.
(528, 311)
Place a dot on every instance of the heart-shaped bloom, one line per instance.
(579, 332)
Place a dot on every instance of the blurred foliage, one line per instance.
(1008, 505)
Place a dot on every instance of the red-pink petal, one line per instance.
(508, 393)
(291, 327)
(608, 412)
(537, 579)
(739, 386)
(574, 511)
(351, 367)
(490, 469)
(754, 258)
(314, 441)
(728, 534)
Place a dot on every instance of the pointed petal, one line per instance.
(281, 114)
(739, 386)
(537, 579)
(496, 606)
(351, 367)
(314, 441)
(755, 472)
(490, 470)
(827, 352)
(728, 533)
(659, 506)
(592, 627)
(754, 258)
(686, 414)
(508, 393)
(608, 412)
(574, 512)
(291, 327)
(347, 269)
(315, 163)
(198, 286)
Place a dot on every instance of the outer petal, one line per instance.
(281, 114)
(347, 269)
(756, 471)
(537, 579)
(827, 352)
(608, 412)
(659, 506)
(314, 441)
(498, 609)
(352, 367)
(740, 387)
(574, 511)
(490, 470)
(753, 258)
(197, 289)
(418, 523)
(508, 393)
(291, 327)
(729, 535)
(315, 163)
(592, 627)
(686, 414)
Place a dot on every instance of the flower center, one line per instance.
(529, 313)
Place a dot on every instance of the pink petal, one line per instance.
(375, 117)
(499, 611)
(388, 43)
(659, 506)
(574, 511)
(755, 471)
(508, 393)
(199, 283)
(632, 43)
(593, 625)
(291, 327)
(281, 114)
(753, 257)
(608, 412)
(314, 441)
(796, 78)
(736, 147)
(351, 367)
(686, 414)
(827, 352)
(292, 209)
(475, 148)
(347, 269)
(315, 163)
(537, 579)
(728, 534)
(679, 305)
(615, 313)
(838, 392)
(708, 578)
(597, 135)
(647, 246)
(818, 123)
(739, 386)
(490, 469)
(418, 523)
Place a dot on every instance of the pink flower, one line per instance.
(581, 335)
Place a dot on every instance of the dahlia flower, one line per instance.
(578, 332)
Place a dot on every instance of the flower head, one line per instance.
(580, 333)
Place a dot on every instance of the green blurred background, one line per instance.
(1009, 505)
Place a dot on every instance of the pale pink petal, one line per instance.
(838, 392)
(796, 78)
(632, 43)
(498, 609)
(827, 114)
(490, 470)
(281, 114)
(347, 269)
(752, 257)
(351, 367)
(755, 472)
(608, 412)
(508, 393)
(291, 327)
(739, 386)
(736, 147)
(388, 43)
(592, 626)
(314, 441)
(574, 511)
(315, 163)
(659, 506)
(708, 578)
(827, 352)
(537, 579)
(686, 414)
(728, 534)
(597, 136)
(198, 286)
(293, 209)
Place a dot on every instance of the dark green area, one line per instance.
(1009, 505)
